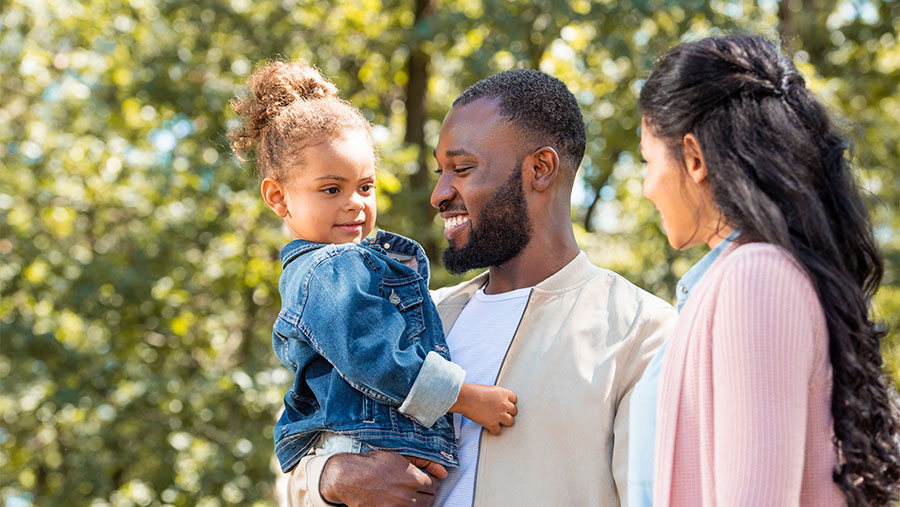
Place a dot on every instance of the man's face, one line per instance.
(479, 192)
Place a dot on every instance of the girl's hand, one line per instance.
(489, 406)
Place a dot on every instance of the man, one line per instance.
(569, 338)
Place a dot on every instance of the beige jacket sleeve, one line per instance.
(303, 483)
(658, 323)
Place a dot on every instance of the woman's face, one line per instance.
(676, 196)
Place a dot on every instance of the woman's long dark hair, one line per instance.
(779, 173)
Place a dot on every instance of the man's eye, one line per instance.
(460, 170)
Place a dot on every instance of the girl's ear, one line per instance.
(275, 196)
(693, 158)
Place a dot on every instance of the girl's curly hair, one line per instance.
(290, 106)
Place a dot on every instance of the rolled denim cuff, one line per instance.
(434, 391)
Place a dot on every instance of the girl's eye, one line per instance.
(331, 190)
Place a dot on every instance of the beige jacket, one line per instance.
(583, 342)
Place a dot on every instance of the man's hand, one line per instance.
(379, 478)
(489, 406)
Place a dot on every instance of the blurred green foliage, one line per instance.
(139, 266)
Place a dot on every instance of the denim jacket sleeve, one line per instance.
(348, 322)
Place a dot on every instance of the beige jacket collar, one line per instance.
(572, 276)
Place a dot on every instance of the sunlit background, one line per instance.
(138, 280)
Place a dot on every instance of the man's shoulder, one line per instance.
(582, 274)
(623, 287)
(625, 305)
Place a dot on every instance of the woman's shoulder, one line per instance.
(770, 260)
(770, 271)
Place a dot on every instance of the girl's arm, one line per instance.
(347, 321)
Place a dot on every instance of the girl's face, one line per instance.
(330, 196)
(676, 196)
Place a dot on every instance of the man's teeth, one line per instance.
(453, 221)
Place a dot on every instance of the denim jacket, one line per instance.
(358, 329)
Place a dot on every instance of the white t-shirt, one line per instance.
(478, 342)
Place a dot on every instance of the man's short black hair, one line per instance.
(539, 104)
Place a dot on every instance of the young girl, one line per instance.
(357, 326)
(771, 390)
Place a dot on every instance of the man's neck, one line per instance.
(539, 260)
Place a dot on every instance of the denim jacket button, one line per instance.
(394, 298)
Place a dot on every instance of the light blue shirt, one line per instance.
(642, 417)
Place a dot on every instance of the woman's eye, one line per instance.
(366, 188)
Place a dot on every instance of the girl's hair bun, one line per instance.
(279, 84)
(274, 88)
(290, 106)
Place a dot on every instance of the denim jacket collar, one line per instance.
(393, 245)
(400, 248)
(297, 248)
(693, 275)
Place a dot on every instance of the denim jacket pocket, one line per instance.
(407, 296)
(284, 346)
(368, 410)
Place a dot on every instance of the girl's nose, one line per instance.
(356, 201)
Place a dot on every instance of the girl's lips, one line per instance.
(353, 227)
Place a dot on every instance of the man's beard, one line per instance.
(503, 230)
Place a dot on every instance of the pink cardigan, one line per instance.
(745, 390)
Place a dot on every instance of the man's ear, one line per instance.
(693, 158)
(543, 165)
(275, 196)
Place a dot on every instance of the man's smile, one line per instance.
(454, 224)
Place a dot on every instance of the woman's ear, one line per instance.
(275, 196)
(543, 165)
(693, 158)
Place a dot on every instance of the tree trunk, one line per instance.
(786, 27)
(416, 114)
(588, 226)
(597, 185)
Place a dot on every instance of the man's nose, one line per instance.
(442, 192)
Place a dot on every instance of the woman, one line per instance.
(771, 390)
